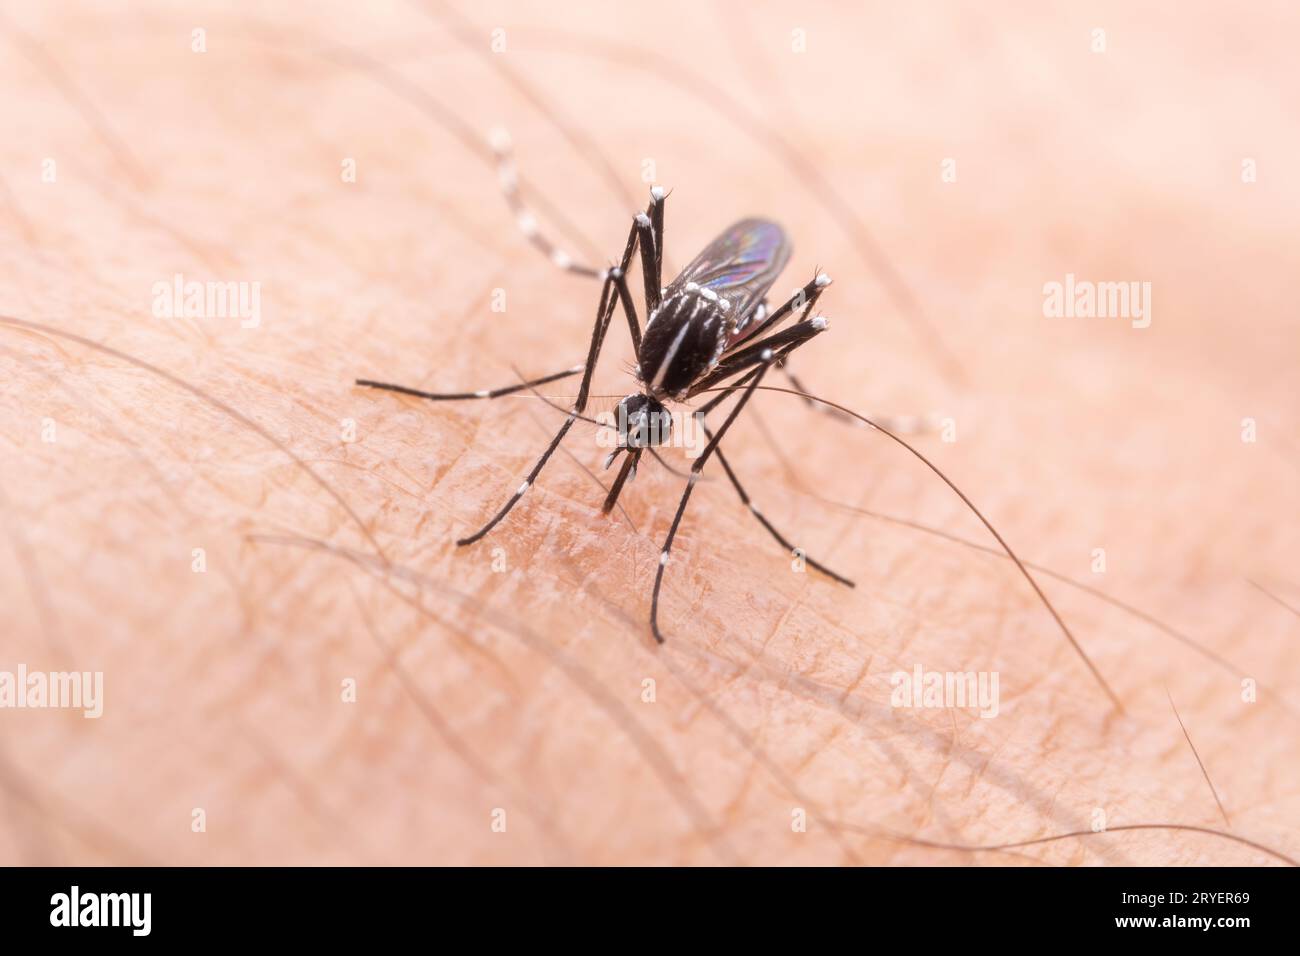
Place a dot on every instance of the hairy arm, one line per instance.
(299, 666)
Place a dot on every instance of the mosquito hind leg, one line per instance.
(649, 224)
(803, 300)
(508, 176)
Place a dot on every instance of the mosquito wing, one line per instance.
(740, 265)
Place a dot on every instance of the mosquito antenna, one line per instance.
(969, 504)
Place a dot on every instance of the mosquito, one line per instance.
(709, 328)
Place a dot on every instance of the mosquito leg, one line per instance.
(528, 483)
(762, 519)
(612, 291)
(462, 396)
(646, 231)
(649, 224)
(604, 313)
(640, 235)
(629, 308)
(628, 469)
(524, 218)
(764, 361)
(663, 556)
(803, 299)
(613, 278)
(657, 197)
(745, 359)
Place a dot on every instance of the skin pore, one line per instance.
(300, 667)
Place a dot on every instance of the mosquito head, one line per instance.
(643, 421)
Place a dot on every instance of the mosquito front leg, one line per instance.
(604, 313)
(613, 292)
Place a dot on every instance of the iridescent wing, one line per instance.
(740, 265)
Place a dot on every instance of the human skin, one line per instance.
(518, 693)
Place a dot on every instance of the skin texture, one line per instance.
(523, 689)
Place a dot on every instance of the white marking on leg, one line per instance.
(663, 558)
(819, 322)
(528, 225)
(657, 193)
(482, 393)
(561, 258)
(822, 281)
(523, 488)
(765, 355)
(499, 139)
(642, 219)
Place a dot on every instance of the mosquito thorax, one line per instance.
(683, 339)
(643, 421)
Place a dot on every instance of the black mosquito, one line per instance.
(708, 329)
